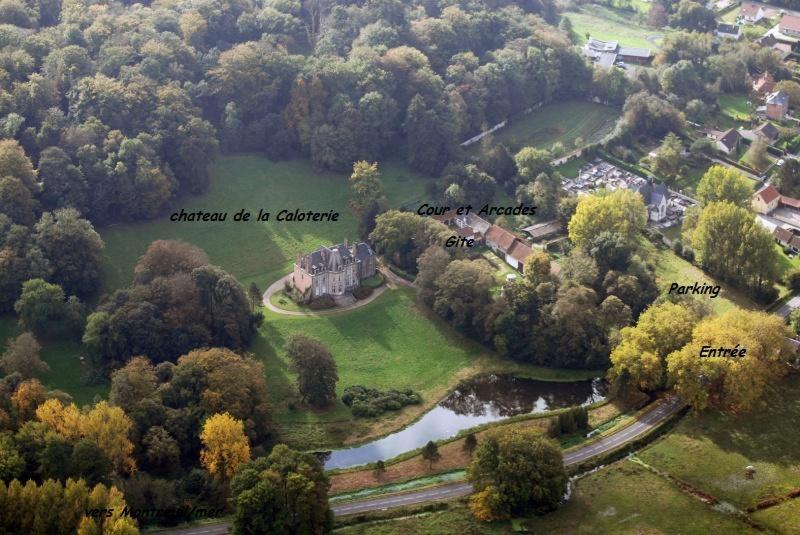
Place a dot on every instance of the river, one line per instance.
(478, 401)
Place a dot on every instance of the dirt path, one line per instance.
(392, 281)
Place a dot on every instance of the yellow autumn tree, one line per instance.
(106, 426)
(622, 211)
(640, 358)
(225, 445)
(726, 381)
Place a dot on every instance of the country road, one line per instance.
(647, 422)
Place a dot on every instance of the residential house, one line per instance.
(787, 239)
(751, 13)
(334, 270)
(764, 84)
(608, 53)
(503, 242)
(768, 132)
(777, 105)
(790, 26)
(728, 31)
(603, 53)
(766, 200)
(727, 141)
(656, 199)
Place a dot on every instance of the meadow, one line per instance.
(559, 122)
(627, 498)
(609, 24)
(711, 450)
(253, 251)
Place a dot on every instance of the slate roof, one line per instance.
(652, 193)
(778, 98)
(729, 138)
(768, 130)
(730, 29)
(325, 258)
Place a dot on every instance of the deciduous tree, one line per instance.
(225, 446)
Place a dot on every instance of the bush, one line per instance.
(793, 280)
(322, 302)
(677, 247)
(765, 295)
(368, 402)
(374, 281)
(362, 292)
(688, 253)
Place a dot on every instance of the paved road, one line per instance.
(786, 308)
(279, 284)
(647, 422)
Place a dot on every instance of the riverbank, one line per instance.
(411, 466)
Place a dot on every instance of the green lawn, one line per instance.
(254, 251)
(784, 262)
(672, 268)
(389, 343)
(560, 121)
(711, 450)
(614, 25)
(736, 106)
(731, 16)
(626, 498)
(571, 168)
(66, 372)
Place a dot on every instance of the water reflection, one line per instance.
(481, 400)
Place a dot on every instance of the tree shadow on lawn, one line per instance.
(769, 433)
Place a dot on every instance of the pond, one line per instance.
(478, 401)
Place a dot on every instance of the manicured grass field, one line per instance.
(389, 343)
(626, 498)
(561, 121)
(711, 450)
(255, 251)
(614, 25)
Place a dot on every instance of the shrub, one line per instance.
(368, 402)
(688, 253)
(793, 279)
(677, 247)
(322, 302)
(362, 292)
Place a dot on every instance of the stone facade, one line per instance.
(334, 270)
